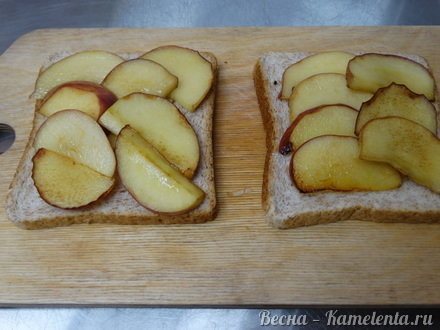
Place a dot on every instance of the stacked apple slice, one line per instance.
(338, 141)
(156, 148)
(160, 123)
(74, 165)
(194, 72)
(88, 97)
(150, 178)
(140, 75)
(181, 73)
(90, 66)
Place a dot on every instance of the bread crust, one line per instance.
(286, 207)
(26, 209)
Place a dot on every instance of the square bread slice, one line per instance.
(26, 209)
(286, 207)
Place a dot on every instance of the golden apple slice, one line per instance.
(369, 72)
(64, 183)
(333, 119)
(112, 139)
(161, 124)
(76, 135)
(332, 162)
(322, 89)
(194, 72)
(150, 179)
(140, 75)
(90, 98)
(324, 62)
(398, 100)
(91, 65)
(409, 147)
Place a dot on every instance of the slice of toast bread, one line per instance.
(26, 209)
(286, 207)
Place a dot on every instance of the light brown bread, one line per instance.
(26, 209)
(286, 207)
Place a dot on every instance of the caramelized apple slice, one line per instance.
(324, 62)
(322, 89)
(64, 183)
(161, 124)
(112, 140)
(91, 65)
(76, 135)
(336, 119)
(90, 98)
(369, 72)
(398, 100)
(194, 72)
(140, 75)
(332, 162)
(150, 179)
(409, 147)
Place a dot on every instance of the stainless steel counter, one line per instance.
(21, 16)
(18, 17)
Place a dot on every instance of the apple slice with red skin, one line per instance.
(150, 179)
(86, 96)
(334, 119)
(369, 72)
(195, 73)
(331, 162)
(398, 100)
(323, 62)
(324, 88)
(77, 136)
(406, 145)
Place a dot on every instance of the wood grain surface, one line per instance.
(236, 260)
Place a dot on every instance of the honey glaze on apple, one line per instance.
(350, 116)
(111, 118)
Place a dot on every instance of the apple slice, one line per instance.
(90, 98)
(140, 75)
(369, 72)
(76, 135)
(112, 139)
(324, 62)
(161, 124)
(67, 184)
(336, 119)
(91, 66)
(194, 72)
(398, 100)
(322, 89)
(150, 179)
(331, 162)
(409, 147)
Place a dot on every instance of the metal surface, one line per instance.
(20, 17)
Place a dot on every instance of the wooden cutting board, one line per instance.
(236, 260)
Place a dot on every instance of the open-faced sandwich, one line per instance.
(124, 139)
(349, 136)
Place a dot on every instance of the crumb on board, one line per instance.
(240, 192)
